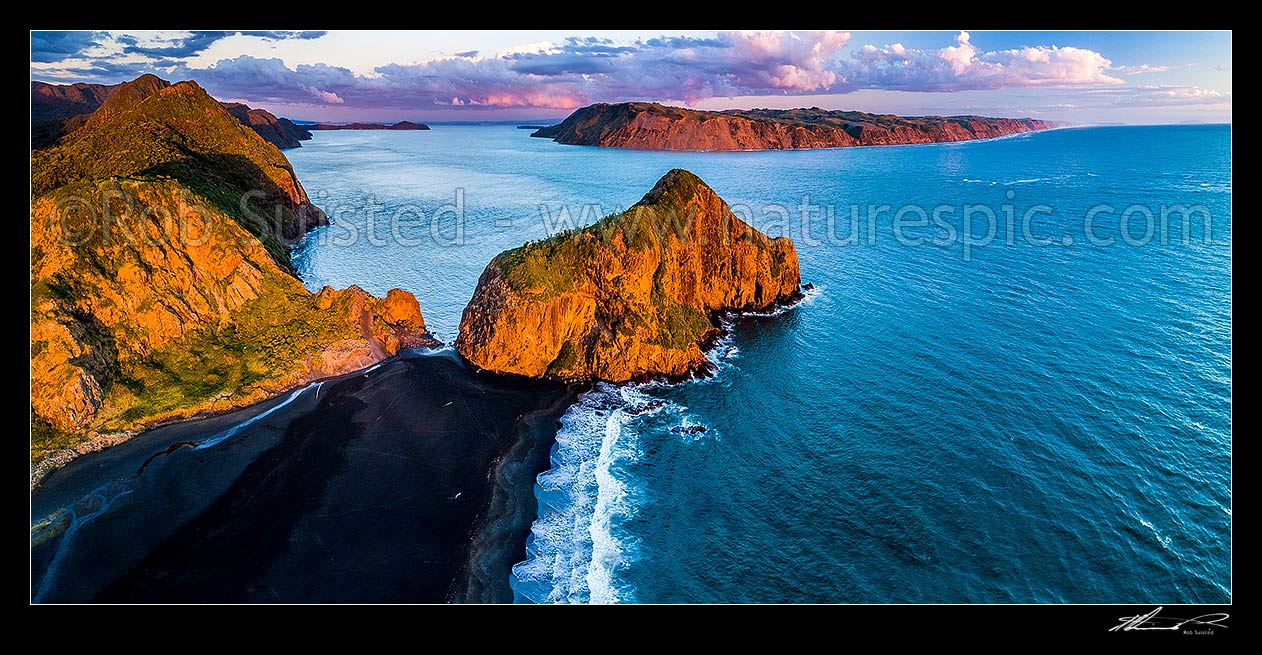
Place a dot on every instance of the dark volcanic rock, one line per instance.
(411, 483)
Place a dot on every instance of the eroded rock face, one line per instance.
(632, 296)
(153, 298)
(651, 126)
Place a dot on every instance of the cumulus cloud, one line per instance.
(964, 67)
(195, 42)
(685, 68)
(561, 75)
(327, 97)
(49, 47)
(53, 46)
(959, 57)
(575, 71)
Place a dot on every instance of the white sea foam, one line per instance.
(227, 434)
(611, 496)
(1163, 540)
(1030, 180)
(808, 297)
(575, 552)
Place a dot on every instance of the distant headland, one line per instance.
(652, 126)
(401, 125)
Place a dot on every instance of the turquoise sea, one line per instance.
(1042, 416)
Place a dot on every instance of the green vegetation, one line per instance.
(46, 439)
(163, 303)
(268, 334)
(548, 267)
(566, 360)
(678, 325)
(182, 133)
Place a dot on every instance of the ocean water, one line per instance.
(1042, 418)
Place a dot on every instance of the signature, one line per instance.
(1151, 621)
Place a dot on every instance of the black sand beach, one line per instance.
(409, 483)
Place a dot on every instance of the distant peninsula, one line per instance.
(652, 126)
(401, 125)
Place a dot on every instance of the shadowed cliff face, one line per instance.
(632, 296)
(650, 126)
(279, 132)
(160, 277)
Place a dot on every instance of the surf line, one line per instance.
(227, 434)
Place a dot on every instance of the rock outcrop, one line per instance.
(60, 109)
(633, 296)
(161, 285)
(651, 126)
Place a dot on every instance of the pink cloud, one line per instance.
(327, 97)
(580, 70)
(1140, 69)
(964, 66)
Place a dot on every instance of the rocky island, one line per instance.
(161, 285)
(652, 126)
(312, 430)
(635, 295)
(401, 125)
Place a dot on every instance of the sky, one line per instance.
(1136, 77)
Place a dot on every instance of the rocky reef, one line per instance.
(161, 285)
(651, 126)
(633, 296)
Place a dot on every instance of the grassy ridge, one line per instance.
(187, 302)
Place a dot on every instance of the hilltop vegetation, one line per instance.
(632, 296)
(161, 284)
(651, 126)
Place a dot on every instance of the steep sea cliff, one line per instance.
(651, 126)
(161, 279)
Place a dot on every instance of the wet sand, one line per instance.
(410, 483)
